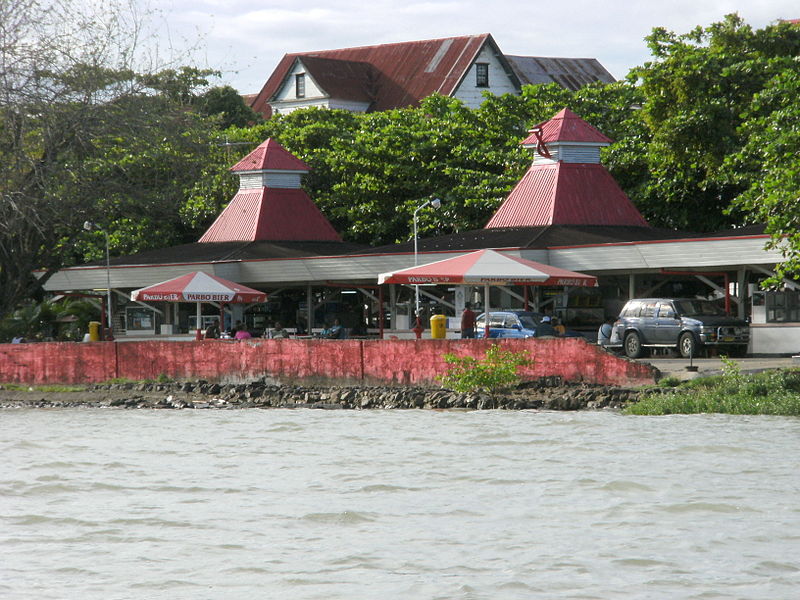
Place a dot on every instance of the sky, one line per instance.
(245, 39)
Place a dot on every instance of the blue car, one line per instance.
(509, 324)
(513, 324)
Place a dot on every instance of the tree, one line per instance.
(767, 163)
(83, 135)
(695, 91)
(226, 103)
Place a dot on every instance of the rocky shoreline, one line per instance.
(547, 393)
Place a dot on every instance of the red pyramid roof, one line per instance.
(270, 156)
(566, 194)
(566, 126)
(270, 214)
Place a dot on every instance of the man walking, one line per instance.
(468, 322)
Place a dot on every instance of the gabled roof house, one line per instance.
(386, 76)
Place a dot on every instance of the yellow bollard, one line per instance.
(94, 331)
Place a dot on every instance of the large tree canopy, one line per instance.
(696, 92)
(85, 135)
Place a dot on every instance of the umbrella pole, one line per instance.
(198, 335)
(486, 310)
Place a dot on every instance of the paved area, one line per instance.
(676, 367)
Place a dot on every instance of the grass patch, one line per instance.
(58, 389)
(768, 393)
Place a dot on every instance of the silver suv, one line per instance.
(688, 324)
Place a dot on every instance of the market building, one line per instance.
(567, 211)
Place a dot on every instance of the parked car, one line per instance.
(512, 324)
(687, 324)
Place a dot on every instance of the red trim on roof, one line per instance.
(566, 126)
(270, 156)
(566, 194)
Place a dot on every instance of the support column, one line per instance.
(631, 286)
(309, 309)
(393, 306)
(741, 292)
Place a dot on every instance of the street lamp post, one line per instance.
(88, 226)
(435, 203)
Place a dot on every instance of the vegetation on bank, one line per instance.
(49, 389)
(494, 373)
(774, 392)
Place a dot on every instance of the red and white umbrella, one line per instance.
(198, 287)
(488, 267)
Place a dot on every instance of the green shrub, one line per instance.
(767, 393)
(496, 372)
(669, 382)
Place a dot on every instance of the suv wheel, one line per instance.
(687, 345)
(633, 345)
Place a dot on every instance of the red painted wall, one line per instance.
(345, 361)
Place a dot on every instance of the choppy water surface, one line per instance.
(397, 504)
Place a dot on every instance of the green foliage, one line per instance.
(769, 393)
(226, 103)
(496, 372)
(55, 389)
(66, 320)
(669, 382)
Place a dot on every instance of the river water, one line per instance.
(302, 504)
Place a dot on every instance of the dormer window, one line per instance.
(300, 85)
(482, 74)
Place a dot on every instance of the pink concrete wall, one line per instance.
(57, 362)
(420, 361)
(353, 361)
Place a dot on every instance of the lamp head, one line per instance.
(435, 202)
(88, 225)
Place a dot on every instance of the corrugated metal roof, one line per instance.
(566, 126)
(268, 214)
(569, 73)
(270, 156)
(566, 194)
(404, 73)
(344, 79)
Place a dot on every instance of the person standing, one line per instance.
(468, 317)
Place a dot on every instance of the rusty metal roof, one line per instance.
(344, 79)
(567, 194)
(271, 214)
(566, 126)
(400, 74)
(569, 73)
(270, 156)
